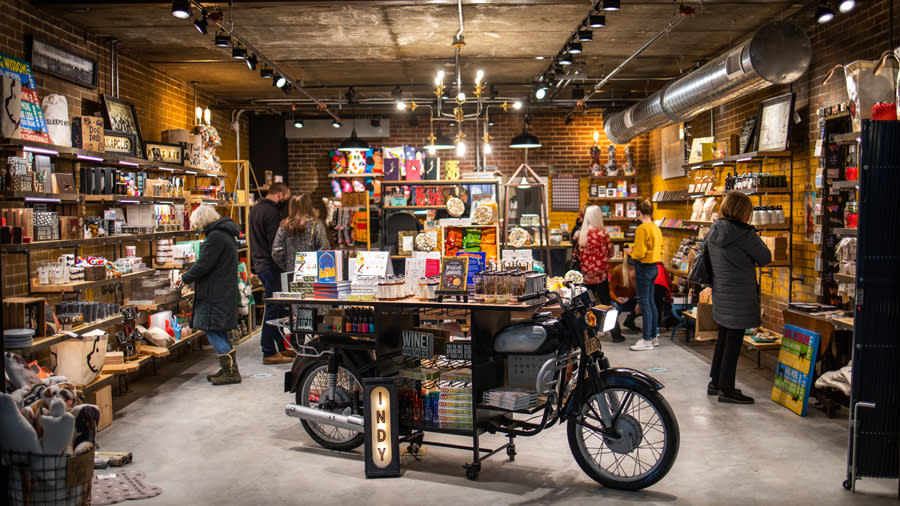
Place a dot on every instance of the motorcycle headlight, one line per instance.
(607, 316)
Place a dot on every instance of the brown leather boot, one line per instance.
(277, 358)
(288, 353)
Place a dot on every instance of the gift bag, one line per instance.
(80, 359)
(56, 115)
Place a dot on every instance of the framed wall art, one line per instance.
(164, 153)
(775, 122)
(120, 117)
(62, 64)
(121, 143)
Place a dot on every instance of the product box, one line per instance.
(330, 266)
(778, 246)
(87, 133)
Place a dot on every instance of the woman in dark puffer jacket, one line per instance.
(735, 251)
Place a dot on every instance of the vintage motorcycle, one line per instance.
(621, 431)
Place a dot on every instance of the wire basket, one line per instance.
(30, 479)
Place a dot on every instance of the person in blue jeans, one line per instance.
(645, 254)
(264, 220)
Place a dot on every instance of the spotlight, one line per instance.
(452, 123)
(846, 6)
(397, 93)
(585, 35)
(461, 97)
(517, 105)
(298, 123)
(597, 21)
(611, 5)
(565, 59)
(251, 62)
(181, 9)
(540, 92)
(824, 14)
(401, 106)
(202, 23)
(280, 81)
(336, 124)
(266, 73)
(490, 121)
(238, 53)
(287, 88)
(574, 47)
(222, 39)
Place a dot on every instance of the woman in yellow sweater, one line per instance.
(647, 252)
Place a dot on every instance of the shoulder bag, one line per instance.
(701, 270)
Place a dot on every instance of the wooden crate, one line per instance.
(24, 312)
(102, 398)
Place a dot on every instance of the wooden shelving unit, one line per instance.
(84, 285)
(41, 343)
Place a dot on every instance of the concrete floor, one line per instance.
(234, 445)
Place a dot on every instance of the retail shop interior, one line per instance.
(485, 219)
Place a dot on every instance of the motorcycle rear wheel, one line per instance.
(647, 444)
(314, 386)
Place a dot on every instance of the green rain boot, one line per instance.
(230, 373)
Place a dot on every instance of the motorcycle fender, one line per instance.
(623, 377)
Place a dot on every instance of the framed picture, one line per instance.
(120, 117)
(747, 138)
(121, 143)
(774, 123)
(62, 64)
(164, 153)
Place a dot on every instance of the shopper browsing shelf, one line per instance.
(645, 254)
(215, 279)
(735, 250)
(594, 250)
(264, 220)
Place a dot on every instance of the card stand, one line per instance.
(460, 295)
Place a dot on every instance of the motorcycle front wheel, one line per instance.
(314, 393)
(638, 451)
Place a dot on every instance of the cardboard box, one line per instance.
(87, 133)
(778, 246)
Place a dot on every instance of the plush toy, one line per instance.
(18, 435)
(59, 428)
(329, 209)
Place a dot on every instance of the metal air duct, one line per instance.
(779, 53)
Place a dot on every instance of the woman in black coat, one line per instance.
(735, 251)
(216, 288)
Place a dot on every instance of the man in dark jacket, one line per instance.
(215, 279)
(264, 220)
(735, 250)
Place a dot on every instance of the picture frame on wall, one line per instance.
(119, 143)
(61, 63)
(774, 129)
(164, 153)
(120, 117)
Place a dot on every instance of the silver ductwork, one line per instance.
(779, 53)
(320, 416)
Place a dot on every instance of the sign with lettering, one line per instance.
(164, 153)
(121, 143)
(795, 369)
(382, 450)
(453, 274)
(459, 350)
(305, 264)
(417, 344)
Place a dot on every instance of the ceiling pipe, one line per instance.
(779, 53)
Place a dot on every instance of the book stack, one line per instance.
(455, 401)
(335, 290)
(513, 399)
(420, 373)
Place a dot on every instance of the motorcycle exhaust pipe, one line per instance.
(349, 422)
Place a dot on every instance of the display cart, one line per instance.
(620, 407)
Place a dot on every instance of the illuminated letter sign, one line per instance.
(382, 455)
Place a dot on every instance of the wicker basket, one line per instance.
(28, 479)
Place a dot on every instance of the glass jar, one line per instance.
(490, 287)
(478, 287)
(432, 289)
(779, 215)
(502, 288)
(422, 289)
(851, 214)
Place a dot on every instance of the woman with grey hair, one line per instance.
(215, 281)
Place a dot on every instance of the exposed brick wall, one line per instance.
(161, 102)
(565, 148)
(859, 35)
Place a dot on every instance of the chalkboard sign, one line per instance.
(459, 350)
(417, 344)
(453, 274)
(748, 135)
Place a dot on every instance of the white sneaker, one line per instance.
(642, 345)
(655, 341)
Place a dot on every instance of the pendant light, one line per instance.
(181, 9)
(441, 142)
(353, 143)
(524, 140)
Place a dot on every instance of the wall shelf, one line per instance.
(613, 199)
(847, 138)
(754, 156)
(844, 232)
(439, 182)
(352, 176)
(845, 185)
(128, 199)
(95, 241)
(45, 342)
(84, 285)
(61, 198)
(844, 278)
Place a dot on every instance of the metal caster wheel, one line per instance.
(511, 453)
(472, 471)
(847, 484)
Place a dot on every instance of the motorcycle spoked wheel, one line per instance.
(645, 449)
(312, 392)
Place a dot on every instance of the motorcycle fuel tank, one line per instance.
(522, 338)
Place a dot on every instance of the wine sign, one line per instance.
(417, 344)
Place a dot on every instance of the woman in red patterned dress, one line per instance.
(594, 250)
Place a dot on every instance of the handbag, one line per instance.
(701, 270)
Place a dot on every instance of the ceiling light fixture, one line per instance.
(181, 9)
(298, 123)
(574, 47)
(252, 61)
(824, 14)
(597, 21)
(585, 35)
(611, 5)
(517, 105)
(538, 57)
(222, 39)
(846, 6)
(266, 73)
(353, 143)
(238, 53)
(287, 88)
(564, 59)
(524, 140)
(442, 142)
(279, 82)
(540, 92)
(202, 24)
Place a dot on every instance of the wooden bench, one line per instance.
(759, 347)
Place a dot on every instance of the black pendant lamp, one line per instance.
(353, 143)
(524, 140)
(441, 142)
